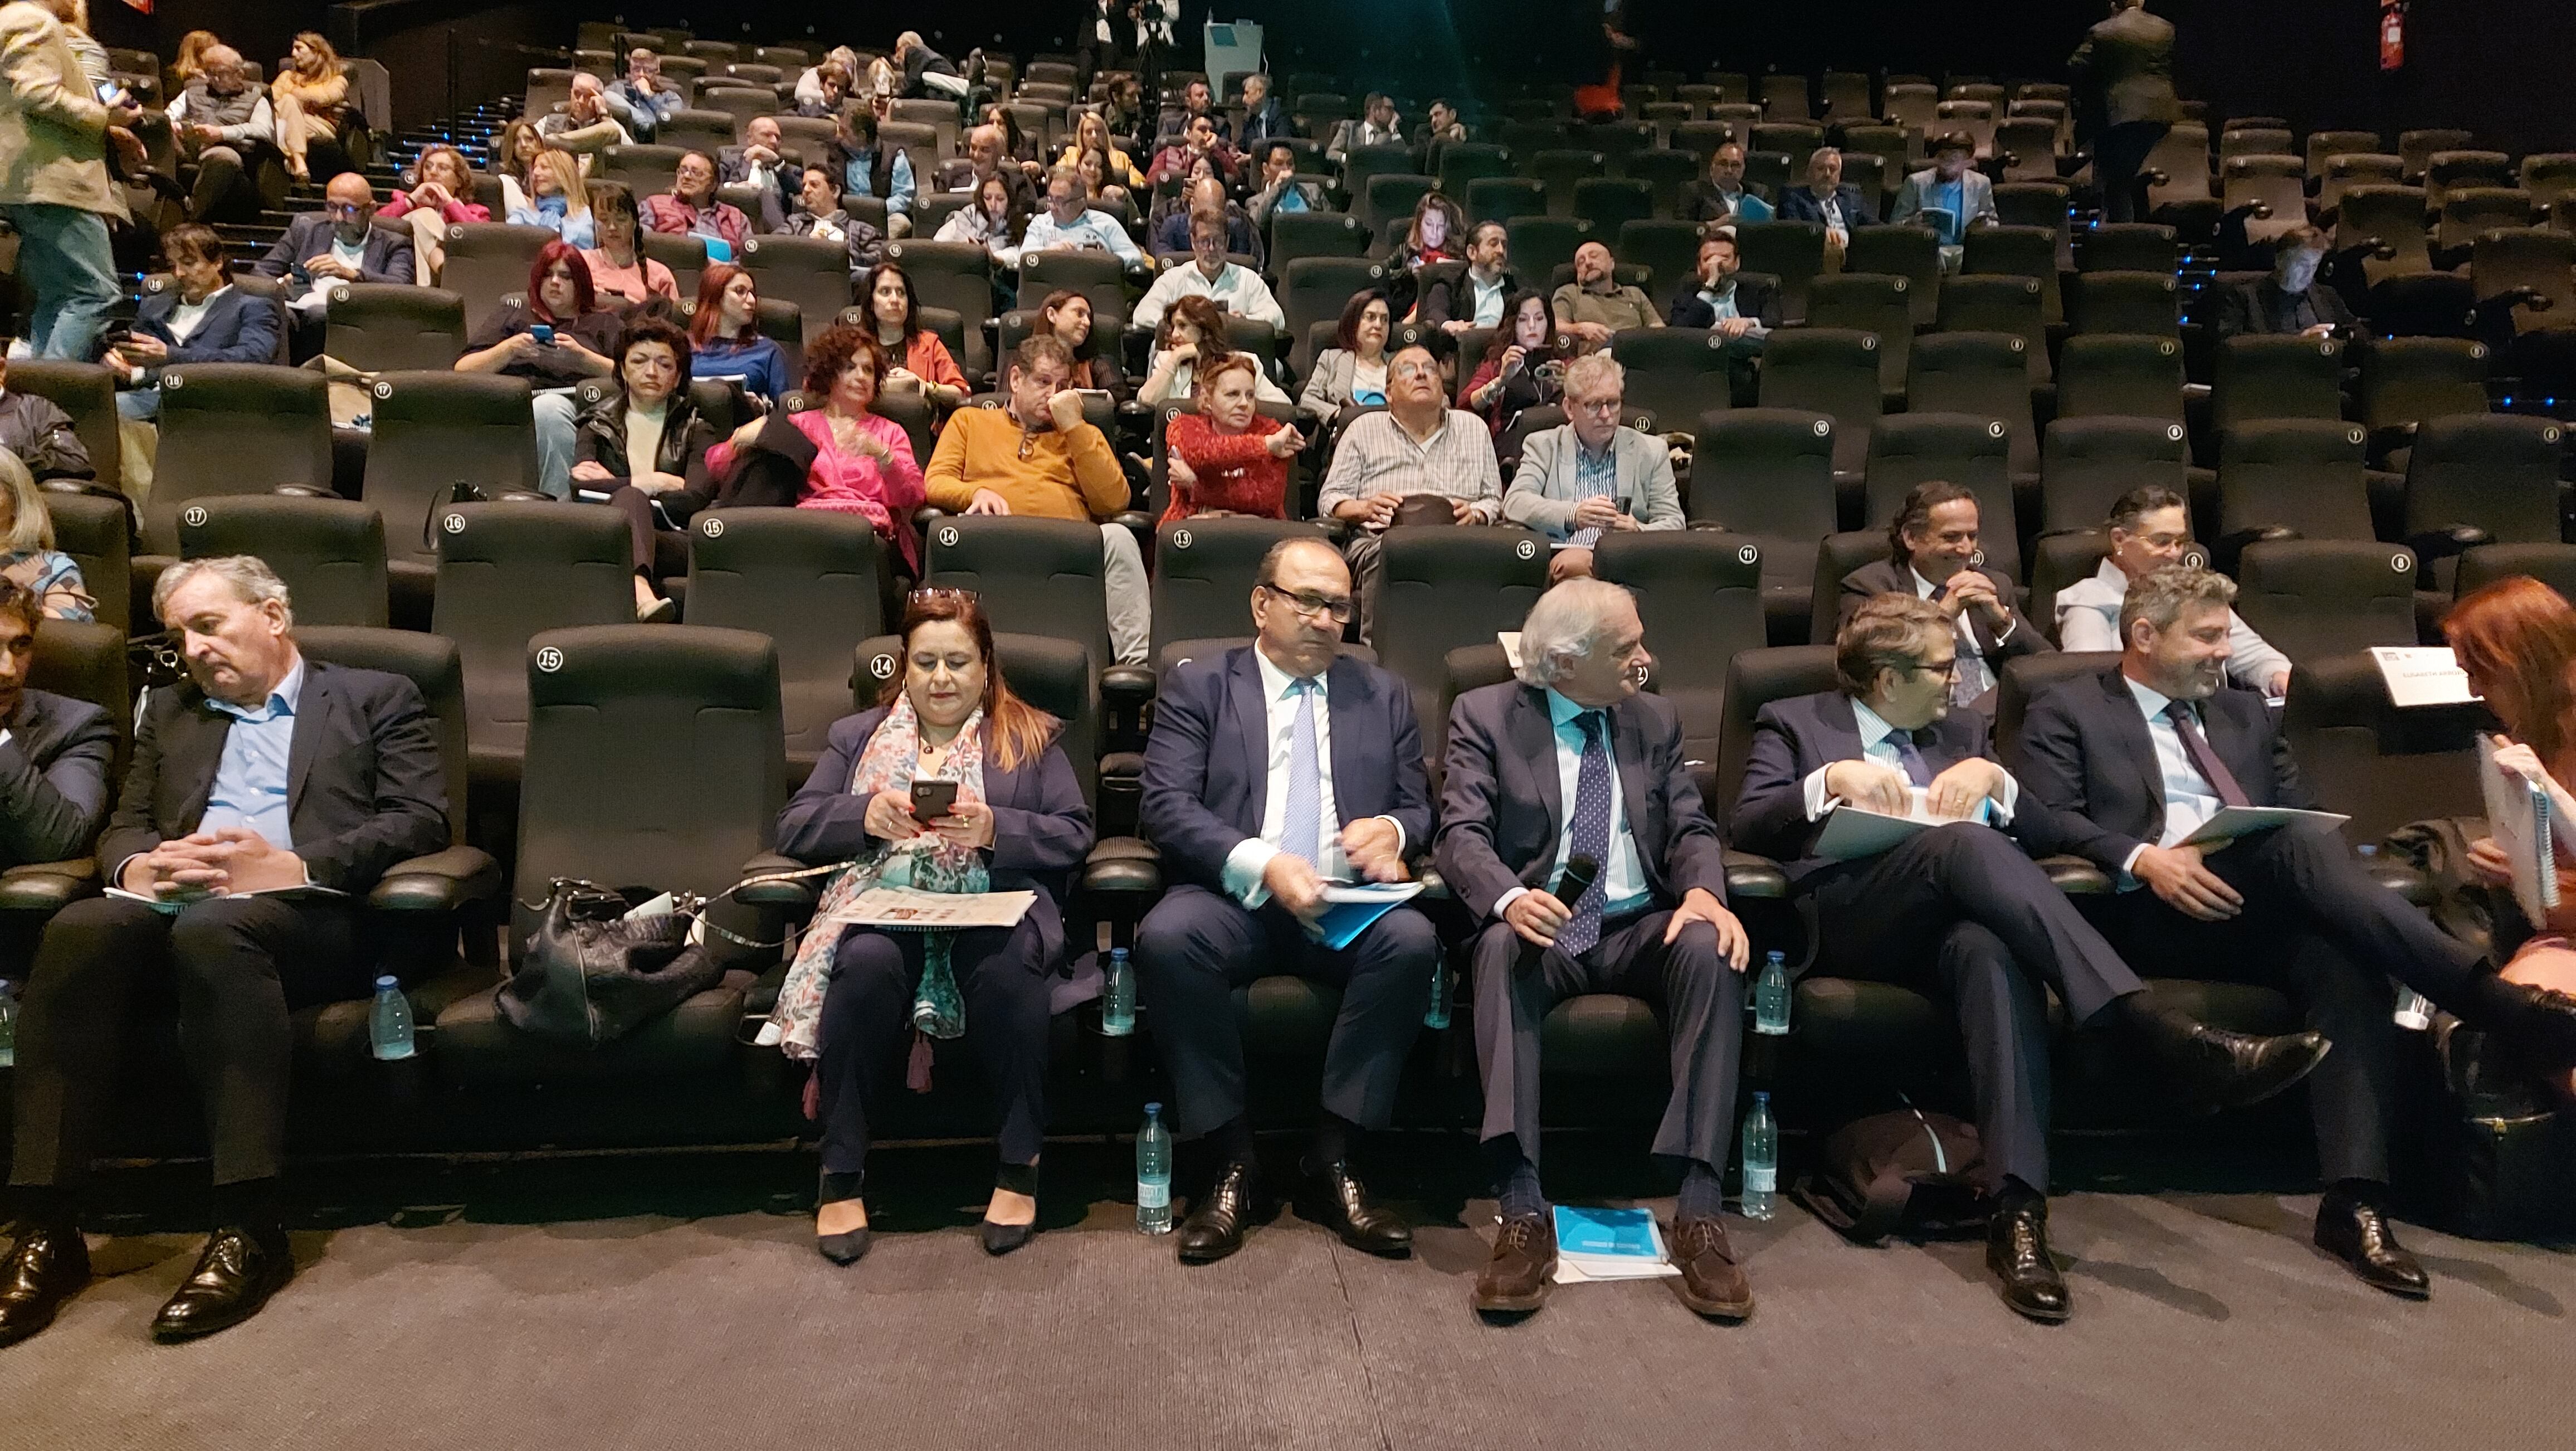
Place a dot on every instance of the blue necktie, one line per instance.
(1917, 770)
(1591, 835)
(1301, 832)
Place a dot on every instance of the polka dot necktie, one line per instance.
(1591, 833)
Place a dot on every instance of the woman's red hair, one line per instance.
(1014, 730)
(584, 299)
(2517, 639)
(711, 290)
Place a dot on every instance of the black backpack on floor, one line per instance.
(1908, 1172)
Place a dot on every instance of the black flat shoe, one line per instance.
(46, 1267)
(1001, 1239)
(843, 1249)
(1335, 1199)
(2359, 1235)
(1216, 1223)
(2025, 1272)
(234, 1278)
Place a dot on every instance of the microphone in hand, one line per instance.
(1581, 870)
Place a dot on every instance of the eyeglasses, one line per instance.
(1314, 605)
(1947, 669)
(941, 594)
(347, 209)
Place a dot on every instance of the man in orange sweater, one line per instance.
(1036, 457)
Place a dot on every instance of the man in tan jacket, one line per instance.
(54, 186)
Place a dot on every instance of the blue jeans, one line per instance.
(556, 438)
(63, 253)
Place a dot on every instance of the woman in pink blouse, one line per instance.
(842, 455)
(442, 191)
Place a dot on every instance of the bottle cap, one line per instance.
(388, 981)
(1153, 1108)
(1762, 1096)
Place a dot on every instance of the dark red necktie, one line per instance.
(2203, 759)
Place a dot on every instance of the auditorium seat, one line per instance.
(377, 326)
(1665, 171)
(1463, 163)
(330, 552)
(1970, 450)
(2120, 375)
(2178, 191)
(87, 392)
(1315, 289)
(1441, 588)
(2552, 564)
(2549, 177)
(2058, 561)
(1609, 203)
(2274, 376)
(1676, 374)
(2010, 251)
(1875, 303)
(1699, 594)
(2449, 173)
(1793, 253)
(1767, 474)
(1838, 555)
(1667, 249)
(2146, 304)
(2381, 766)
(2086, 464)
(2315, 598)
(1785, 97)
(2481, 478)
(1999, 305)
(1203, 575)
(234, 428)
(1099, 276)
(2389, 222)
(1832, 371)
(433, 431)
(2324, 146)
(1912, 253)
(815, 582)
(2405, 381)
(506, 572)
(95, 529)
(621, 723)
(1912, 105)
(1542, 244)
(2129, 247)
(1982, 375)
(2471, 213)
(810, 273)
(2299, 475)
(2345, 171)
(1845, 96)
(1314, 234)
(2027, 148)
(959, 276)
(1557, 169)
(487, 261)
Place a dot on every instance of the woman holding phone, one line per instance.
(1003, 812)
(554, 337)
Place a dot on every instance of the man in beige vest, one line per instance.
(54, 187)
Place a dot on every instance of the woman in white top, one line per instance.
(2150, 528)
(1193, 331)
(996, 221)
(1353, 374)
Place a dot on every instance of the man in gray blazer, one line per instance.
(1571, 832)
(2123, 75)
(268, 793)
(1592, 474)
(54, 186)
(54, 751)
(1951, 185)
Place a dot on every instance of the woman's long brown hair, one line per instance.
(2517, 637)
(1014, 730)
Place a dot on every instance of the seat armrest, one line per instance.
(2403, 878)
(443, 881)
(2448, 540)
(1122, 867)
(526, 496)
(797, 895)
(44, 888)
(1753, 876)
(2230, 548)
(2075, 876)
(927, 515)
(1127, 687)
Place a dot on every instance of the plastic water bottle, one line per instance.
(1761, 1154)
(8, 1027)
(1436, 1017)
(1771, 996)
(389, 1021)
(1118, 997)
(1153, 1174)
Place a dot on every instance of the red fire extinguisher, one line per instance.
(2392, 35)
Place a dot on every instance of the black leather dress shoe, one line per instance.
(2025, 1273)
(1335, 1199)
(44, 1268)
(2221, 1070)
(1216, 1223)
(233, 1279)
(2359, 1235)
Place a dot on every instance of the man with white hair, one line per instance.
(649, 98)
(268, 794)
(221, 122)
(1570, 828)
(1592, 475)
(585, 121)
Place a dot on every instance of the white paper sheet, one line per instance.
(2518, 817)
(2422, 675)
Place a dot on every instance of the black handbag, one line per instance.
(592, 974)
(1905, 1172)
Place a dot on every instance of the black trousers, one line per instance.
(237, 966)
(2119, 155)
(867, 1022)
(642, 524)
(1699, 997)
(1196, 947)
(1960, 910)
(2316, 925)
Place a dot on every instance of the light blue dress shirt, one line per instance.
(250, 782)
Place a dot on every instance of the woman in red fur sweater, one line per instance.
(1226, 458)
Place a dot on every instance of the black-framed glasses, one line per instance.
(1947, 669)
(1312, 605)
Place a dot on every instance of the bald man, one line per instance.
(761, 161)
(334, 245)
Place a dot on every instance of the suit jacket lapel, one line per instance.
(1533, 738)
(2137, 745)
(1628, 757)
(1252, 719)
(312, 716)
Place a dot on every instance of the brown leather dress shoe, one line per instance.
(1515, 1280)
(46, 1267)
(234, 1278)
(1712, 1283)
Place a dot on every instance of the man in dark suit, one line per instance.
(1455, 301)
(1260, 793)
(2135, 761)
(1723, 297)
(336, 244)
(2290, 300)
(1265, 117)
(203, 319)
(1827, 198)
(2123, 75)
(268, 793)
(1933, 555)
(54, 751)
(1960, 912)
(1571, 830)
(761, 162)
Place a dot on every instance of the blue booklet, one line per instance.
(1354, 906)
(1608, 1233)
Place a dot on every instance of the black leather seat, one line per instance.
(2382, 766)
(2145, 303)
(86, 391)
(434, 430)
(1984, 376)
(1836, 556)
(1768, 473)
(1203, 575)
(2086, 464)
(1792, 252)
(1910, 449)
(97, 532)
(2311, 598)
(2483, 478)
(957, 276)
(2129, 247)
(1315, 289)
(1038, 577)
(2019, 251)
(507, 572)
(2407, 380)
(1877, 303)
(623, 724)
(1443, 587)
(234, 428)
(487, 261)
(2552, 564)
(2302, 476)
(1912, 253)
(1674, 373)
(1699, 594)
(330, 552)
(376, 326)
(2267, 376)
(1832, 371)
(2120, 375)
(812, 274)
(815, 582)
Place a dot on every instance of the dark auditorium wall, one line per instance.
(2495, 66)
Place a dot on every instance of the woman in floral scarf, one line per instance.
(855, 994)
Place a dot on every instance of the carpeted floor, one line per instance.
(473, 1312)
